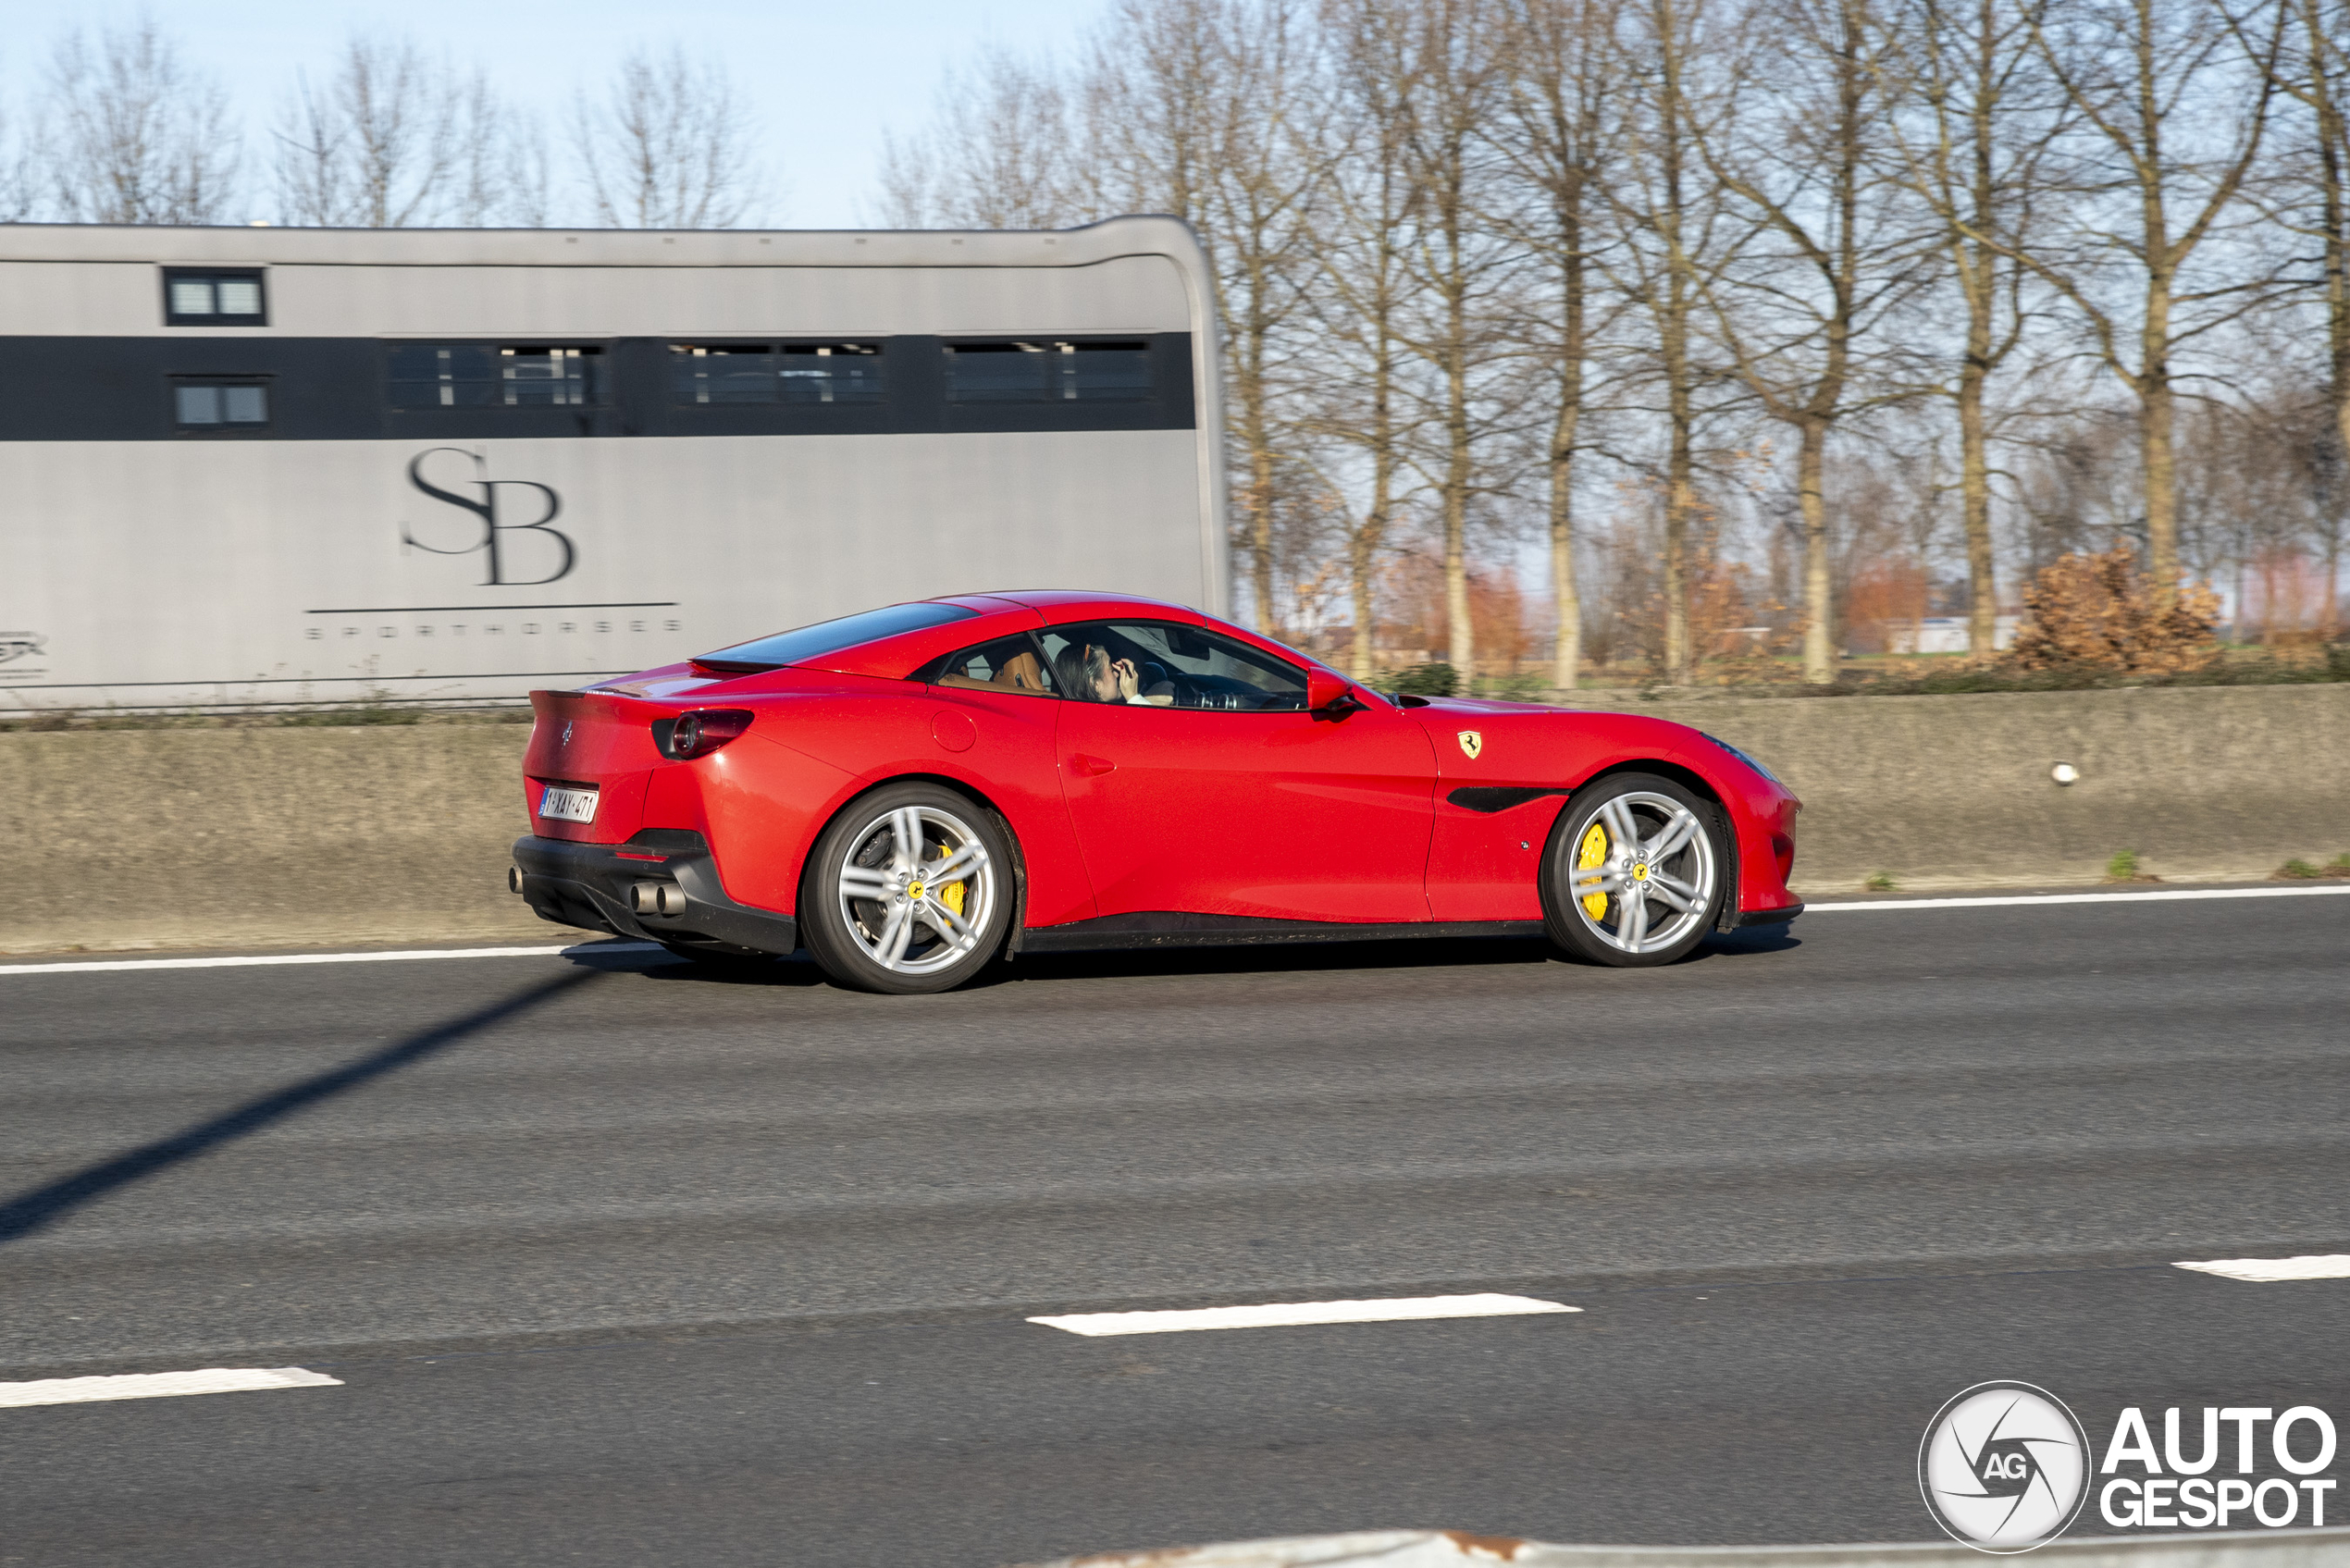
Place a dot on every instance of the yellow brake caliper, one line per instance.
(951, 894)
(1594, 852)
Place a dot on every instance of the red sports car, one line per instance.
(913, 792)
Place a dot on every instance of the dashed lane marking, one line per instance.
(163, 1385)
(1285, 1315)
(111, 966)
(2265, 1271)
(2167, 895)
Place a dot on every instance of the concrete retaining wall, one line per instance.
(2206, 783)
(270, 836)
(261, 838)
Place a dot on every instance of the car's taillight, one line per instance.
(698, 734)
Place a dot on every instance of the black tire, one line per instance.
(860, 883)
(1688, 884)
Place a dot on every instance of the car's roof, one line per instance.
(1070, 604)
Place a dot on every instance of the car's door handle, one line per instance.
(1091, 767)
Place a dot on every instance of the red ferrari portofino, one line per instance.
(911, 792)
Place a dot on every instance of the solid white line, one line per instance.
(2262, 1271)
(1286, 1315)
(163, 1385)
(2078, 898)
(115, 965)
(110, 966)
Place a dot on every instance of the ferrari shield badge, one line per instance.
(1472, 742)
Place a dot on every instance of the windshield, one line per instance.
(803, 643)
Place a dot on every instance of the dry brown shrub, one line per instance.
(2096, 611)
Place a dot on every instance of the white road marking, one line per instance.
(2262, 1271)
(163, 1385)
(1284, 1314)
(2078, 898)
(264, 960)
(112, 966)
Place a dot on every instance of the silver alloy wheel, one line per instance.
(913, 867)
(1655, 852)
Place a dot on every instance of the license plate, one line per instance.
(568, 805)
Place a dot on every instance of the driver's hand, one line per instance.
(1129, 679)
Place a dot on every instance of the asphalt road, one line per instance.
(622, 1264)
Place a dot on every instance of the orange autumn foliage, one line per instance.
(2096, 611)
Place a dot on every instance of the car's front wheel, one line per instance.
(908, 891)
(1633, 873)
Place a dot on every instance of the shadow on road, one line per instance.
(799, 971)
(43, 1206)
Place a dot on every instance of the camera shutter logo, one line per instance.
(2004, 1467)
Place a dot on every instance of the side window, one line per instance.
(1006, 664)
(1048, 370)
(203, 297)
(1163, 665)
(209, 406)
(495, 376)
(768, 373)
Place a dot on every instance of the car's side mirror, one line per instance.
(1327, 692)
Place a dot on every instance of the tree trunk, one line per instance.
(1462, 653)
(1811, 491)
(2333, 164)
(1362, 556)
(1260, 534)
(1567, 646)
(2158, 463)
(1680, 487)
(1975, 499)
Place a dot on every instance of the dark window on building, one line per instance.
(193, 298)
(220, 405)
(1043, 370)
(702, 373)
(497, 376)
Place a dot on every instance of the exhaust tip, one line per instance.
(656, 898)
(514, 878)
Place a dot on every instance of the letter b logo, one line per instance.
(494, 526)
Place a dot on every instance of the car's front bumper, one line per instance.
(596, 886)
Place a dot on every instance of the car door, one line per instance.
(1201, 783)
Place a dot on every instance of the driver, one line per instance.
(1088, 674)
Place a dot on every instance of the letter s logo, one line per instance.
(487, 509)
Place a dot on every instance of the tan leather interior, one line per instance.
(1022, 673)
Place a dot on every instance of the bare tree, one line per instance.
(135, 136)
(1207, 109)
(1448, 53)
(2316, 71)
(1677, 241)
(503, 171)
(378, 146)
(1363, 290)
(1974, 128)
(999, 154)
(1834, 251)
(1561, 135)
(2172, 98)
(20, 187)
(669, 146)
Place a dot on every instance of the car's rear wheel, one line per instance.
(908, 891)
(1632, 875)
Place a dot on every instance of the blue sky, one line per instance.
(830, 78)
